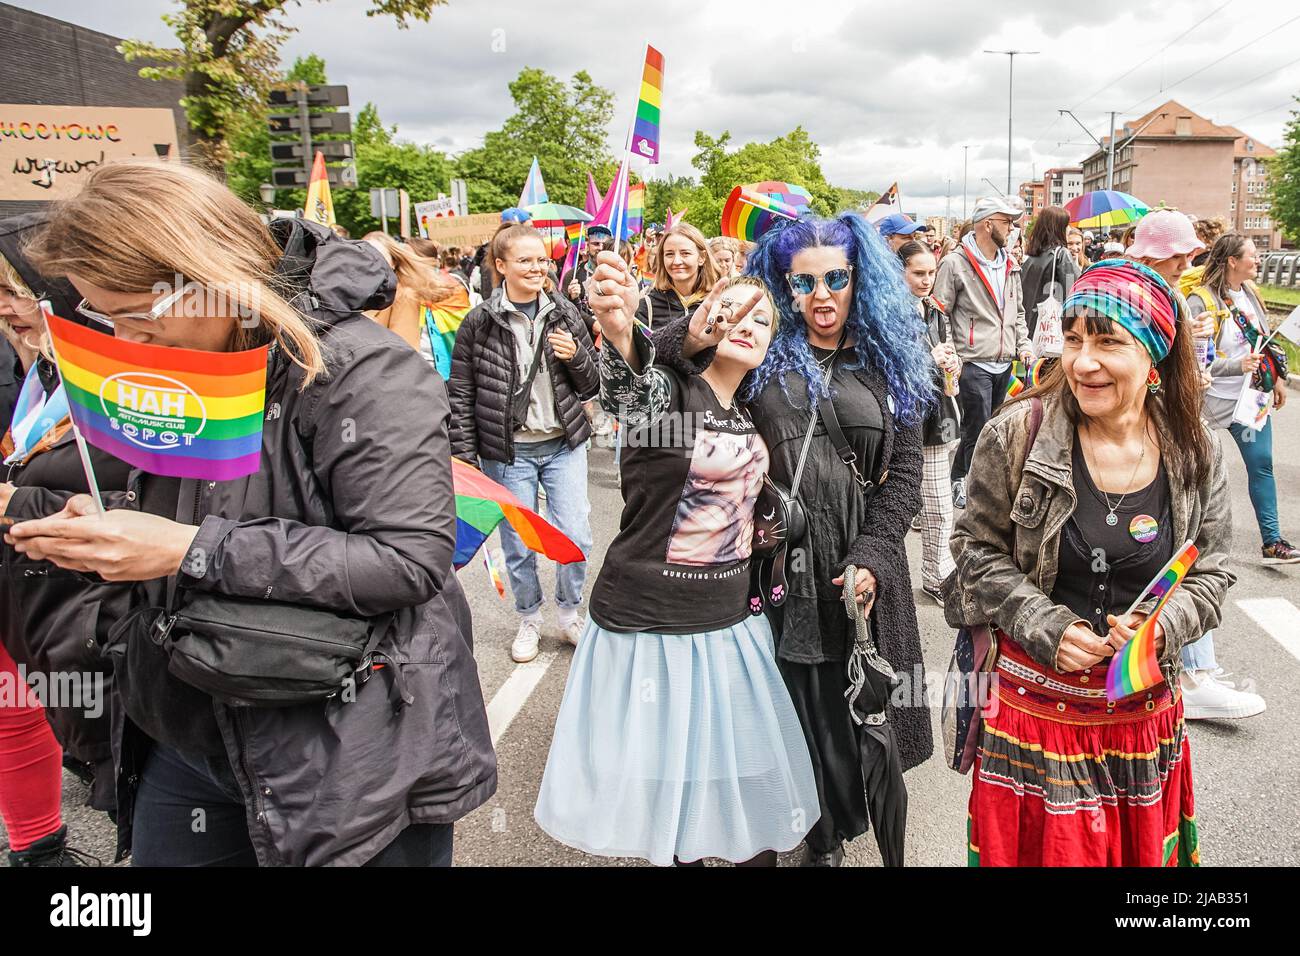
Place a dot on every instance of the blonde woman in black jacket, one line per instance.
(522, 366)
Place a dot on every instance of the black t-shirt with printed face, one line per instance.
(680, 563)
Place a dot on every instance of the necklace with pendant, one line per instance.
(1111, 518)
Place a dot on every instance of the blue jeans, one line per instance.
(165, 831)
(1199, 656)
(1257, 453)
(563, 473)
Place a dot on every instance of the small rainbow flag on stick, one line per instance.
(1136, 667)
(645, 132)
(1015, 386)
(179, 413)
(482, 504)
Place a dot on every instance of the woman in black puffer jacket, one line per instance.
(522, 366)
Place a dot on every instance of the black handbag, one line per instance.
(253, 653)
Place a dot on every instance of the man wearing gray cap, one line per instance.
(979, 287)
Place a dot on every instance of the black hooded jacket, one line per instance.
(485, 373)
(43, 619)
(351, 510)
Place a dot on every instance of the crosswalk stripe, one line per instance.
(1277, 616)
(514, 693)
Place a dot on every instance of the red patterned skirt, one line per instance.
(1065, 777)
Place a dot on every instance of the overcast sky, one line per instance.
(889, 90)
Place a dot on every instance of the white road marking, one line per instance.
(1279, 617)
(514, 693)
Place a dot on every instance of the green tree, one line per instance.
(792, 158)
(1284, 181)
(229, 59)
(663, 194)
(855, 199)
(564, 125)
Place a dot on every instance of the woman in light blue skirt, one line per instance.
(677, 739)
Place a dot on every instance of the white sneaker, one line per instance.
(524, 648)
(572, 631)
(1207, 695)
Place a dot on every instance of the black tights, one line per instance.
(766, 858)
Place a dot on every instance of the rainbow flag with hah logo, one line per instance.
(645, 133)
(1137, 667)
(179, 413)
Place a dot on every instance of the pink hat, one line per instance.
(1163, 234)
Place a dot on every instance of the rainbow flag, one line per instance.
(1136, 667)
(635, 208)
(493, 573)
(575, 247)
(179, 413)
(482, 504)
(320, 204)
(753, 209)
(1037, 371)
(645, 133)
(1015, 386)
(441, 322)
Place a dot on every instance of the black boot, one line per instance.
(52, 850)
(813, 858)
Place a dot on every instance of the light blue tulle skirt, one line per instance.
(681, 745)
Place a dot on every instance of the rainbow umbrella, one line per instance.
(482, 504)
(550, 218)
(1105, 207)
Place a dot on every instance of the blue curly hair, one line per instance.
(883, 322)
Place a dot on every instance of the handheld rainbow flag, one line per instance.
(753, 209)
(482, 504)
(635, 208)
(179, 413)
(1137, 667)
(645, 132)
(320, 203)
(534, 189)
(493, 573)
(1015, 386)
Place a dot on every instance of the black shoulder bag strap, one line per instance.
(812, 420)
(519, 404)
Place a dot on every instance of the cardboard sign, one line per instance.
(46, 152)
(460, 230)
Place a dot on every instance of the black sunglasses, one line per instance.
(803, 283)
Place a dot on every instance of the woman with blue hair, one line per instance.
(850, 350)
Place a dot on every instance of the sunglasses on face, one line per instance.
(804, 283)
(160, 309)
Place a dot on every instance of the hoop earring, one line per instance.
(1153, 380)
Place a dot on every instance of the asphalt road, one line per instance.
(1245, 771)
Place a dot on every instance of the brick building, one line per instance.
(1061, 184)
(1187, 162)
(1249, 212)
(1031, 194)
(51, 62)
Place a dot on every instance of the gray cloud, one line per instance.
(889, 91)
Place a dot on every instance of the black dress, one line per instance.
(856, 767)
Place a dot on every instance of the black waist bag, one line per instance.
(254, 653)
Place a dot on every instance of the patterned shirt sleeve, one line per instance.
(636, 400)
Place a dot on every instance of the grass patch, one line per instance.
(1280, 294)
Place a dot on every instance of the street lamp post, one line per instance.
(1011, 62)
(965, 155)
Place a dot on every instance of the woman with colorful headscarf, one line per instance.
(1081, 491)
(849, 349)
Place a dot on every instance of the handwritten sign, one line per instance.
(46, 152)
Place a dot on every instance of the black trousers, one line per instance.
(189, 812)
(980, 393)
